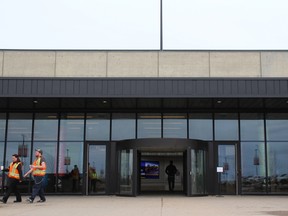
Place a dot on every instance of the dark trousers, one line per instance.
(12, 187)
(171, 182)
(38, 188)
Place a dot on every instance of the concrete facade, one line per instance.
(274, 64)
(184, 64)
(235, 64)
(81, 64)
(29, 64)
(143, 63)
(132, 64)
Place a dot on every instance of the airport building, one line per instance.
(220, 116)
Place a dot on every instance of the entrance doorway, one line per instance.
(95, 179)
(153, 178)
(134, 156)
(227, 159)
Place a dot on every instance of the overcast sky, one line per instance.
(136, 25)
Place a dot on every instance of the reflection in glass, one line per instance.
(174, 125)
(149, 125)
(123, 126)
(126, 170)
(227, 160)
(277, 167)
(98, 126)
(46, 126)
(19, 125)
(201, 126)
(198, 169)
(2, 126)
(252, 127)
(70, 154)
(253, 167)
(97, 169)
(72, 127)
(277, 126)
(49, 153)
(226, 126)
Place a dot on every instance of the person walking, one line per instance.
(38, 170)
(171, 171)
(14, 178)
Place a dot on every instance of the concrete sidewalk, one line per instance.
(150, 205)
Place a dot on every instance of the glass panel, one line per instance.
(226, 126)
(277, 126)
(2, 126)
(126, 170)
(97, 169)
(149, 125)
(70, 154)
(197, 169)
(277, 167)
(123, 126)
(201, 126)
(72, 127)
(19, 127)
(49, 153)
(46, 127)
(174, 125)
(227, 160)
(253, 167)
(252, 127)
(98, 126)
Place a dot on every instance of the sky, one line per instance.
(136, 24)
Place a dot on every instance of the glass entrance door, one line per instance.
(196, 159)
(96, 169)
(125, 172)
(227, 180)
(198, 165)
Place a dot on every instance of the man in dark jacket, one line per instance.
(171, 171)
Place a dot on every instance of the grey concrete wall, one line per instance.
(143, 63)
(29, 64)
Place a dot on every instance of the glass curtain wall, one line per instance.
(45, 138)
(71, 136)
(123, 126)
(201, 126)
(252, 135)
(19, 138)
(98, 126)
(226, 126)
(263, 141)
(174, 125)
(149, 125)
(277, 152)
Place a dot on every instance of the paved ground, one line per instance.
(150, 205)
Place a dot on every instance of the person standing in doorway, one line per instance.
(75, 178)
(14, 177)
(171, 171)
(38, 170)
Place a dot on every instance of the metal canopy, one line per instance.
(144, 87)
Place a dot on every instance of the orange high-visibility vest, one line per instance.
(37, 171)
(13, 171)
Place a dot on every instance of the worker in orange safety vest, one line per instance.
(14, 177)
(38, 170)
